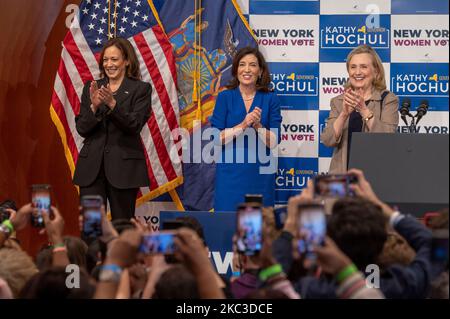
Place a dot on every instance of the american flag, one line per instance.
(96, 22)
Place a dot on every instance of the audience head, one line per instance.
(51, 284)
(359, 229)
(176, 283)
(16, 268)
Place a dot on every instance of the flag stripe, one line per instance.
(71, 94)
(157, 117)
(159, 175)
(156, 76)
(167, 49)
(63, 102)
(59, 109)
(161, 149)
(150, 72)
(77, 58)
(83, 48)
(75, 78)
(169, 81)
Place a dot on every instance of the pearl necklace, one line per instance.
(249, 98)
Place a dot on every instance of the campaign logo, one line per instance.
(296, 84)
(299, 134)
(293, 175)
(423, 39)
(284, 7)
(419, 7)
(324, 151)
(339, 34)
(421, 81)
(290, 38)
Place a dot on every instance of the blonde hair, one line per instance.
(16, 268)
(379, 81)
(396, 250)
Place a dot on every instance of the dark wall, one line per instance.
(30, 147)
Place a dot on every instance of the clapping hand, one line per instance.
(354, 101)
(106, 96)
(95, 96)
(253, 118)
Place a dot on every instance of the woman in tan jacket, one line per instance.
(365, 106)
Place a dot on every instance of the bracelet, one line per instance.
(59, 249)
(366, 119)
(7, 223)
(112, 267)
(59, 245)
(346, 272)
(270, 272)
(110, 273)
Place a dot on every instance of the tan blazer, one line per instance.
(386, 123)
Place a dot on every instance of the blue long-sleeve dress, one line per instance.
(234, 180)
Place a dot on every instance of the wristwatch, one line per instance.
(366, 119)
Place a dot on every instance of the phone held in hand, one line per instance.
(92, 215)
(161, 242)
(41, 200)
(311, 228)
(249, 229)
(335, 186)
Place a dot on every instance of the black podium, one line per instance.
(410, 171)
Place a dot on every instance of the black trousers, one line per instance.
(122, 201)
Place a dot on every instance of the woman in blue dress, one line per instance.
(248, 116)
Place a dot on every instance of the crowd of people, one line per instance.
(362, 232)
(369, 250)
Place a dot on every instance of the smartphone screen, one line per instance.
(158, 243)
(249, 229)
(311, 228)
(40, 199)
(92, 216)
(439, 246)
(332, 186)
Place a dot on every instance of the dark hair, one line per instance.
(176, 283)
(263, 82)
(359, 229)
(76, 252)
(51, 284)
(192, 223)
(128, 54)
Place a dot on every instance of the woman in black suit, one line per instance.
(113, 111)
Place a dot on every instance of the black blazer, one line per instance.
(114, 136)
